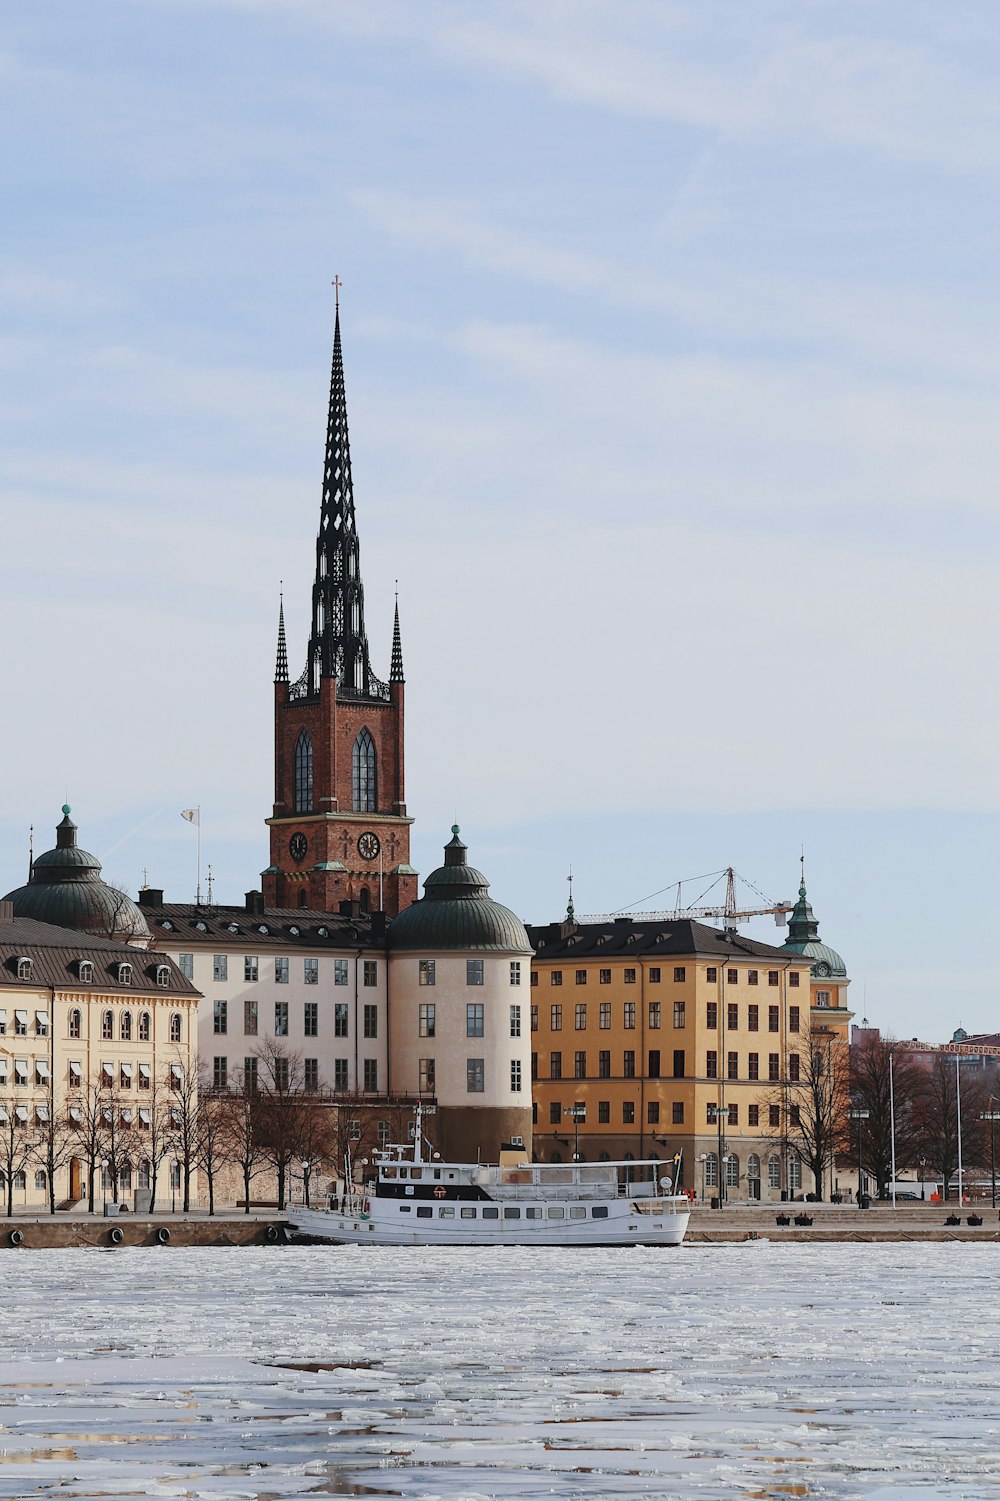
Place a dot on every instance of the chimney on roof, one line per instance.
(255, 903)
(351, 909)
(150, 896)
(378, 927)
(6, 911)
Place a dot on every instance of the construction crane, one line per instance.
(730, 913)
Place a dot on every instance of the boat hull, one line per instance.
(379, 1229)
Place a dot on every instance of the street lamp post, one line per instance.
(703, 1159)
(104, 1184)
(992, 1116)
(719, 1113)
(576, 1113)
(859, 1116)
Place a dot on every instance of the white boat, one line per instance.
(415, 1202)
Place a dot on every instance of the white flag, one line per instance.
(193, 815)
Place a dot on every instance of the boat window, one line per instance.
(534, 1214)
(446, 1212)
(577, 1212)
(436, 1173)
(404, 1208)
(599, 1212)
(424, 1211)
(416, 1172)
(557, 1213)
(388, 1172)
(491, 1214)
(512, 1214)
(468, 1213)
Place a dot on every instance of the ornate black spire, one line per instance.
(281, 664)
(338, 646)
(396, 668)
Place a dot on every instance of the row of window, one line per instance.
(653, 1113)
(510, 1212)
(427, 971)
(475, 1019)
(475, 1075)
(128, 1026)
(278, 1069)
(654, 1016)
(363, 764)
(654, 1069)
(753, 1066)
(124, 972)
(654, 976)
(125, 1074)
(310, 970)
(310, 1019)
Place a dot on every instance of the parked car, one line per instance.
(887, 1198)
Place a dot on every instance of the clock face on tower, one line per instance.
(368, 846)
(297, 847)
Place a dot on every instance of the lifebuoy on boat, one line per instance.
(366, 1209)
(440, 1192)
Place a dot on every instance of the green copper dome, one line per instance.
(457, 913)
(803, 938)
(65, 889)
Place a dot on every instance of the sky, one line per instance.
(670, 337)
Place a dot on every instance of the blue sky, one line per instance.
(670, 334)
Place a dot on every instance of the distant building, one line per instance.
(90, 1030)
(459, 970)
(665, 1037)
(65, 888)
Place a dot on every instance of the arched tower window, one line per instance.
(363, 774)
(303, 774)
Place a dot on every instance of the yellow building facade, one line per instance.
(98, 1040)
(658, 1038)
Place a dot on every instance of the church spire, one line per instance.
(281, 663)
(338, 645)
(396, 668)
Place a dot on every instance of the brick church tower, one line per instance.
(339, 831)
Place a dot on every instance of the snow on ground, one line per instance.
(749, 1371)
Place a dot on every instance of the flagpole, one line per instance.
(892, 1129)
(198, 887)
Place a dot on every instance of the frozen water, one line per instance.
(751, 1371)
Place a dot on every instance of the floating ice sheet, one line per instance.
(709, 1372)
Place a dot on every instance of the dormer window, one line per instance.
(294, 931)
(166, 923)
(162, 976)
(262, 927)
(234, 927)
(202, 927)
(24, 969)
(85, 970)
(124, 974)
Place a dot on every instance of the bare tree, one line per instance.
(875, 1063)
(212, 1135)
(156, 1130)
(936, 1115)
(117, 1135)
(85, 1130)
(183, 1083)
(814, 1099)
(15, 1147)
(53, 1147)
(240, 1131)
(285, 1111)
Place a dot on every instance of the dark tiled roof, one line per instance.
(286, 927)
(625, 938)
(55, 954)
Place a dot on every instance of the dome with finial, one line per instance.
(456, 911)
(803, 938)
(65, 889)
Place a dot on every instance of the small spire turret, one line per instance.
(396, 666)
(281, 663)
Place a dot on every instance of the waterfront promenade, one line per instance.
(842, 1222)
